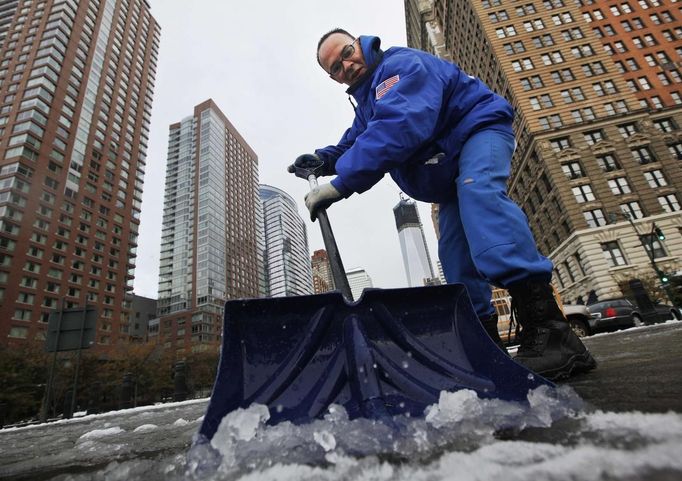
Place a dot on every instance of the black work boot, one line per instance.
(548, 345)
(490, 326)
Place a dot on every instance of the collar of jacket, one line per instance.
(373, 56)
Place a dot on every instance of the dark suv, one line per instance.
(613, 314)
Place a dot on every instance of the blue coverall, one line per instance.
(444, 138)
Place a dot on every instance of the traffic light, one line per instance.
(659, 233)
(664, 278)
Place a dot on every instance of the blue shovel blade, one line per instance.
(390, 353)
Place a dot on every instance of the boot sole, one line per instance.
(576, 364)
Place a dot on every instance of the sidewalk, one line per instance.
(639, 369)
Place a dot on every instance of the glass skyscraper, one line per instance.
(286, 265)
(208, 243)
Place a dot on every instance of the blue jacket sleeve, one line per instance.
(404, 118)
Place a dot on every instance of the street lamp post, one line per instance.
(649, 249)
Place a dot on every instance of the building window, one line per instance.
(572, 95)
(654, 247)
(500, 16)
(595, 218)
(532, 82)
(675, 150)
(632, 209)
(627, 130)
(533, 25)
(632, 64)
(560, 144)
(19, 332)
(669, 203)
(642, 155)
(592, 69)
(514, 47)
(508, 31)
(582, 115)
(572, 34)
(664, 125)
(579, 263)
(572, 170)
(619, 186)
(593, 136)
(613, 254)
(644, 83)
(563, 75)
(523, 64)
(655, 178)
(552, 58)
(550, 122)
(583, 193)
(582, 51)
(663, 78)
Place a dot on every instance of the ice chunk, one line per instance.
(453, 407)
(325, 439)
(100, 433)
(145, 428)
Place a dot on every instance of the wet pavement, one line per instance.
(638, 369)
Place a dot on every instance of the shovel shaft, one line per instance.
(338, 272)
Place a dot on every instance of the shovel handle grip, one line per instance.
(338, 271)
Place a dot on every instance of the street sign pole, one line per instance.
(78, 361)
(47, 398)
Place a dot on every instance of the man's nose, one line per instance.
(345, 64)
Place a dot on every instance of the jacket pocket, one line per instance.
(432, 179)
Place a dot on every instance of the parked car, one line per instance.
(619, 313)
(577, 315)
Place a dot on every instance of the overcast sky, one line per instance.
(256, 60)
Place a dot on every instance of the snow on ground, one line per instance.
(463, 438)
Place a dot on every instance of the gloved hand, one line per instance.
(305, 164)
(321, 197)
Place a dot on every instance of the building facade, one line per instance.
(416, 258)
(323, 280)
(596, 89)
(143, 310)
(208, 238)
(358, 279)
(76, 85)
(286, 266)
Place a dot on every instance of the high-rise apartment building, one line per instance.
(358, 279)
(416, 259)
(76, 83)
(596, 88)
(323, 280)
(208, 238)
(286, 260)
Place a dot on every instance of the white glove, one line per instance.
(321, 197)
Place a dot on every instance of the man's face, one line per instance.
(341, 57)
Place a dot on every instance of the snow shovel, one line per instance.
(390, 353)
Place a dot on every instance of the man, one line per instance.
(445, 138)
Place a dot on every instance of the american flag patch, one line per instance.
(386, 85)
